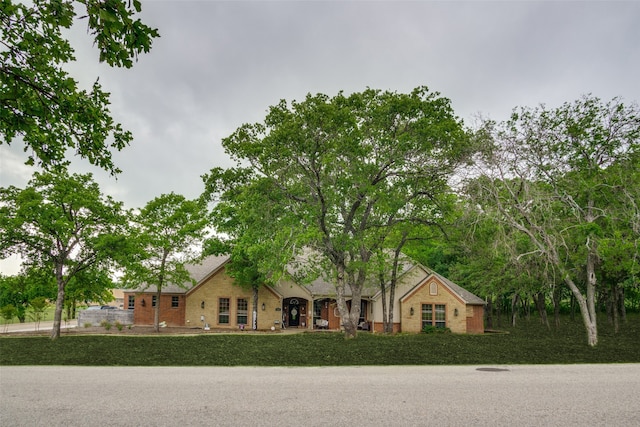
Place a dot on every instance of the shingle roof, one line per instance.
(322, 287)
(462, 293)
(198, 271)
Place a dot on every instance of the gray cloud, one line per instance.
(219, 64)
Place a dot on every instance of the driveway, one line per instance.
(523, 395)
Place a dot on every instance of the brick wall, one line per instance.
(221, 285)
(413, 322)
(475, 319)
(143, 312)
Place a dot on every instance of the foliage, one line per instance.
(106, 324)
(553, 177)
(528, 343)
(334, 176)
(41, 103)
(8, 312)
(37, 308)
(30, 283)
(63, 224)
(430, 329)
(165, 235)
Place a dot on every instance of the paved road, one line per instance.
(525, 395)
(45, 325)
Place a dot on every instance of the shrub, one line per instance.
(430, 329)
(88, 324)
(8, 312)
(119, 326)
(105, 324)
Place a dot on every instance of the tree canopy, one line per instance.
(564, 179)
(61, 223)
(335, 174)
(41, 103)
(166, 234)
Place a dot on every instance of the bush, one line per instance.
(119, 326)
(8, 312)
(430, 329)
(88, 324)
(105, 324)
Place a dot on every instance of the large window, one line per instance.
(243, 309)
(434, 315)
(154, 301)
(223, 311)
(132, 302)
(175, 302)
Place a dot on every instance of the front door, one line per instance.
(294, 312)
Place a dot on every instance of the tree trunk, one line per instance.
(623, 309)
(489, 312)
(588, 316)
(350, 326)
(57, 316)
(514, 309)
(556, 295)
(540, 300)
(392, 295)
(254, 308)
(383, 290)
(156, 312)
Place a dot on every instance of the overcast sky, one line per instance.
(219, 64)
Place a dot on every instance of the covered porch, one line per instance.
(327, 316)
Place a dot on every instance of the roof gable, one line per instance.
(199, 272)
(456, 290)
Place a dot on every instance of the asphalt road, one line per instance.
(523, 395)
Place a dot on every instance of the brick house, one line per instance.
(422, 297)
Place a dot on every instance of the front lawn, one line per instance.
(529, 343)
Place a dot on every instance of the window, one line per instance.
(243, 309)
(131, 302)
(175, 302)
(439, 320)
(223, 311)
(154, 301)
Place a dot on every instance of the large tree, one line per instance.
(338, 170)
(166, 234)
(41, 103)
(557, 176)
(245, 223)
(63, 223)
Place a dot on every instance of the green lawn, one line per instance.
(529, 343)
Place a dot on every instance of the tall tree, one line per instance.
(63, 223)
(342, 168)
(41, 103)
(244, 219)
(167, 234)
(545, 175)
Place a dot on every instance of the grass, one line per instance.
(48, 314)
(528, 343)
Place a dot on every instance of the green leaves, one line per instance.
(337, 175)
(41, 104)
(119, 38)
(554, 176)
(60, 222)
(166, 233)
